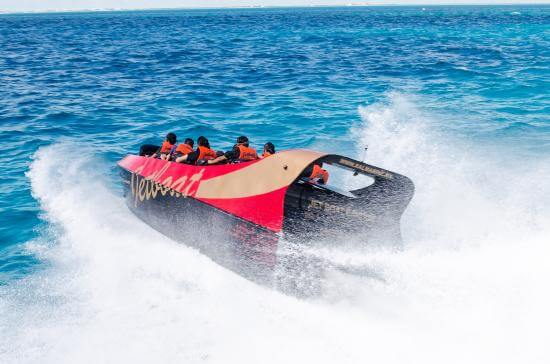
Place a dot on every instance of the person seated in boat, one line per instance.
(183, 149)
(316, 174)
(241, 152)
(147, 150)
(201, 155)
(167, 147)
(269, 149)
(150, 150)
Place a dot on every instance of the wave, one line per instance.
(469, 285)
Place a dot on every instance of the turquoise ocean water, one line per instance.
(457, 98)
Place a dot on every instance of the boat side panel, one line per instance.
(264, 210)
(228, 240)
(253, 191)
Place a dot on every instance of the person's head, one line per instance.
(189, 142)
(171, 138)
(242, 140)
(269, 148)
(203, 142)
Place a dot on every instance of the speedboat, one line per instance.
(244, 209)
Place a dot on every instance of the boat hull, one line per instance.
(235, 243)
(260, 229)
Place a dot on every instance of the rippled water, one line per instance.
(454, 97)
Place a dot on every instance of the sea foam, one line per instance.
(468, 286)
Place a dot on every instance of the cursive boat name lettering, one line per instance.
(149, 187)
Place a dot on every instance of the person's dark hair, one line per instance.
(171, 137)
(242, 140)
(269, 147)
(203, 142)
(189, 142)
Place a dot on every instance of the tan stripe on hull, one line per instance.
(267, 175)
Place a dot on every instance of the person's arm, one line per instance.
(181, 159)
(219, 159)
(187, 157)
(228, 156)
(172, 153)
(191, 158)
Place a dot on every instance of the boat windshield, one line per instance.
(342, 179)
(328, 187)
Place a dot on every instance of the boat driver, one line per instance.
(241, 152)
(318, 174)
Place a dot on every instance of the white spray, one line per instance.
(470, 285)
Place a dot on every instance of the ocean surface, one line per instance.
(457, 98)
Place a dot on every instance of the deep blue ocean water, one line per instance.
(435, 91)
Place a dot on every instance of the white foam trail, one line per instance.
(464, 192)
(470, 285)
(476, 239)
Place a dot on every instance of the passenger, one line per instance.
(241, 152)
(167, 147)
(319, 175)
(201, 155)
(183, 149)
(147, 150)
(269, 149)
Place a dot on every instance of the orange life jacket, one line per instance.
(266, 154)
(184, 149)
(206, 153)
(247, 153)
(166, 147)
(319, 172)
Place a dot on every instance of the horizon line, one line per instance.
(349, 5)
